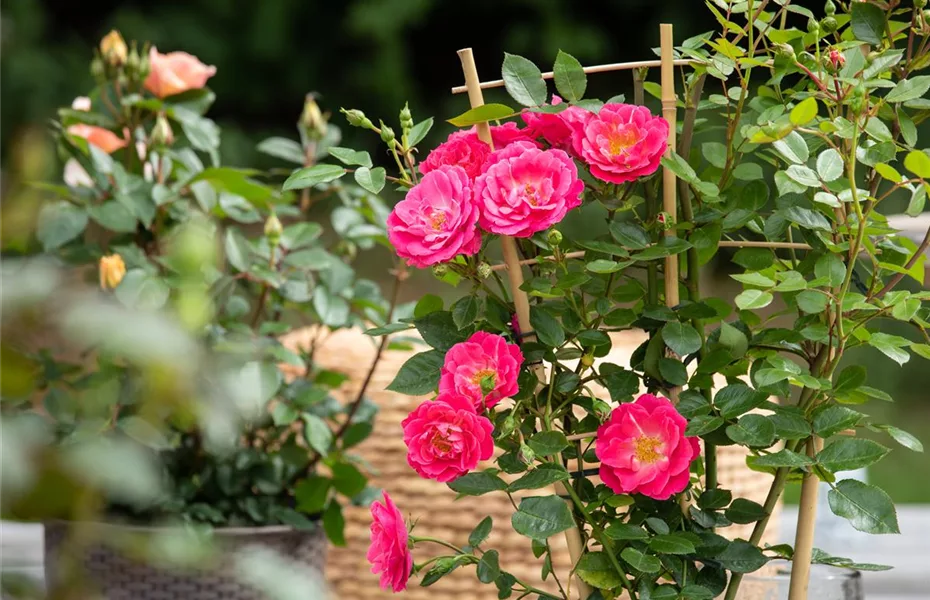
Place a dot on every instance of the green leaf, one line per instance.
(371, 179)
(667, 246)
(596, 570)
(849, 379)
(419, 131)
(238, 251)
(793, 148)
(428, 303)
(868, 22)
(629, 235)
(702, 425)
(829, 164)
(477, 483)
(548, 329)
(754, 259)
(489, 567)
(832, 268)
(420, 374)
(745, 511)
(715, 153)
(311, 494)
(714, 498)
(681, 338)
(439, 330)
(890, 346)
(59, 223)
(918, 163)
(310, 176)
(626, 531)
(812, 302)
(465, 311)
(829, 420)
(736, 399)
(868, 508)
(481, 532)
(142, 291)
(752, 430)
(620, 383)
(753, 299)
(347, 479)
(570, 79)
(782, 458)
(848, 454)
(482, 114)
(348, 156)
(541, 517)
(113, 216)
(917, 202)
(356, 434)
(318, 433)
(671, 544)
(909, 89)
(548, 443)
(902, 437)
(790, 426)
(804, 112)
(282, 148)
(641, 562)
(741, 557)
(523, 80)
(542, 476)
(673, 371)
(334, 523)
(807, 218)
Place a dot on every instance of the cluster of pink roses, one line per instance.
(520, 188)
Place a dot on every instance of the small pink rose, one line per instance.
(483, 368)
(389, 553)
(622, 142)
(643, 449)
(524, 190)
(176, 72)
(104, 139)
(461, 149)
(446, 438)
(556, 128)
(437, 219)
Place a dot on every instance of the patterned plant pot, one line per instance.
(116, 576)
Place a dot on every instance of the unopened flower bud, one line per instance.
(346, 249)
(484, 270)
(406, 119)
(784, 51)
(587, 360)
(554, 237)
(664, 220)
(96, 68)
(387, 134)
(830, 8)
(828, 25)
(926, 15)
(509, 425)
(161, 133)
(813, 26)
(440, 270)
(312, 119)
(527, 454)
(133, 61)
(836, 59)
(920, 3)
(357, 118)
(113, 49)
(112, 269)
(273, 230)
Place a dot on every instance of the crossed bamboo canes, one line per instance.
(514, 266)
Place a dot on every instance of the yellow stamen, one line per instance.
(645, 449)
(530, 192)
(436, 220)
(620, 140)
(441, 444)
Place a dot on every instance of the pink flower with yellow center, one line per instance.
(643, 449)
(524, 190)
(622, 142)
(389, 553)
(446, 438)
(484, 368)
(437, 220)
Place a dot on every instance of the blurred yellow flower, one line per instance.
(113, 48)
(112, 269)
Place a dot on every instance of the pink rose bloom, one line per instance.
(388, 553)
(176, 72)
(622, 142)
(524, 190)
(446, 438)
(643, 449)
(487, 360)
(436, 220)
(462, 149)
(556, 128)
(508, 133)
(104, 139)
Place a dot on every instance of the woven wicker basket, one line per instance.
(433, 505)
(119, 577)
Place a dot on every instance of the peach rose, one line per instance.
(176, 72)
(104, 139)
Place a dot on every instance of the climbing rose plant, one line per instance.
(798, 132)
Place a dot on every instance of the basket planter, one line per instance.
(117, 576)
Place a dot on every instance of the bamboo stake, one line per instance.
(624, 66)
(804, 535)
(521, 300)
(749, 244)
(670, 112)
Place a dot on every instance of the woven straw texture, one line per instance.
(433, 505)
(118, 577)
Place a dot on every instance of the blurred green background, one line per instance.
(374, 55)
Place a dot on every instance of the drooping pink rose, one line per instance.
(643, 449)
(556, 128)
(508, 133)
(176, 72)
(622, 142)
(104, 139)
(389, 554)
(461, 149)
(483, 368)
(524, 190)
(436, 220)
(446, 438)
